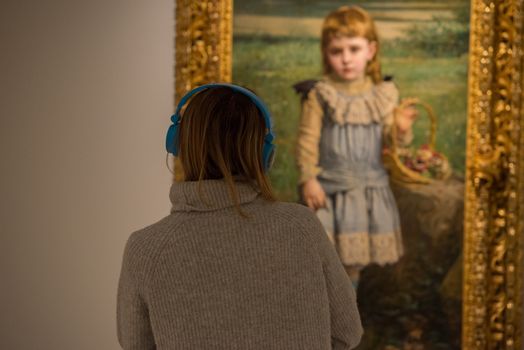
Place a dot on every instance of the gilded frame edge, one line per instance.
(493, 222)
(203, 43)
(492, 314)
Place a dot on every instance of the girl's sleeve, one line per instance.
(390, 90)
(133, 324)
(308, 139)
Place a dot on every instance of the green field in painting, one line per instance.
(272, 65)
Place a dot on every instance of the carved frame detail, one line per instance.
(492, 297)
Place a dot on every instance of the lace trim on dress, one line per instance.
(364, 248)
(371, 106)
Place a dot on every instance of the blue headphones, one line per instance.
(268, 151)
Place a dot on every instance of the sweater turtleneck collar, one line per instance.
(208, 195)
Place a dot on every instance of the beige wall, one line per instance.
(85, 96)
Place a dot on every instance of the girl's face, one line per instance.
(348, 57)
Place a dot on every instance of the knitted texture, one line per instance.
(205, 277)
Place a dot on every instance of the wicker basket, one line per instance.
(400, 172)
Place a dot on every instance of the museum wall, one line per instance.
(86, 93)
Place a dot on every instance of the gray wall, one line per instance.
(86, 91)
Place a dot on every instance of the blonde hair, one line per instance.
(221, 137)
(351, 21)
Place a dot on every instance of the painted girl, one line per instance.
(346, 117)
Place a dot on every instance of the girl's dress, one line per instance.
(340, 140)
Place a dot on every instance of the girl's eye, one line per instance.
(335, 51)
(355, 49)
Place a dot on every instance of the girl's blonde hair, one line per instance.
(221, 137)
(351, 21)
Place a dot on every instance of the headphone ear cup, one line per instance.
(172, 136)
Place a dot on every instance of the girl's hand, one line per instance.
(406, 114)
(313, 194)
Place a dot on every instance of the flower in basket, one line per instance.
(425, 161)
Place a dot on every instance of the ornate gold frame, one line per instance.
(494, 199)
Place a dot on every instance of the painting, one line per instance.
(458, 285)
(415, 303)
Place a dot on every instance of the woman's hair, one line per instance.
(221, 137)
(350, 21)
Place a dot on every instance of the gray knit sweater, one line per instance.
(206, 278)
